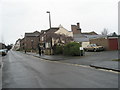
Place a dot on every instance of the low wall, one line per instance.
(101, 41)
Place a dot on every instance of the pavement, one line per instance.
(99, 60)
(52, 57)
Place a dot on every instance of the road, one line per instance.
(0, 72)
(25, 71)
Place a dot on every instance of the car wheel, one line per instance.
(95, 50)
(3, 54)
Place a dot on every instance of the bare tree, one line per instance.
(105, 31)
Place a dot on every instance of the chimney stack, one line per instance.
(78, 25)
(76, 29)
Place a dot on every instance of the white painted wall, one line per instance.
(84, 44)
(64, 31)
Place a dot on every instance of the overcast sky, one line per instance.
(20, 16)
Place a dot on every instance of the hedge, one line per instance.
(72, 49)
(58, 49)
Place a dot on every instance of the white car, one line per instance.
(94, 47)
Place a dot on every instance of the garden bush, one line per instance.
(58, 49)
(72, 48)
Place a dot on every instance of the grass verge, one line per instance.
(116, 60)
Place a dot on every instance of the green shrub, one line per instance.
(116, 60)
(72, 49)
(58, 49)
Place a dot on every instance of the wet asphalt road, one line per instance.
(0, 72)
(25, 71)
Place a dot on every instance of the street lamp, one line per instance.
(49, 18)
(50, 28)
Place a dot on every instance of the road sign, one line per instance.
(81, 48)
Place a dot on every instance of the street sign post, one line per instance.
(81, 48)
(81, 51)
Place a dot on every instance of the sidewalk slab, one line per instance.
(108, 65)
(53, 57)
(56, 57)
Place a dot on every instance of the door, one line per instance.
(113, 44)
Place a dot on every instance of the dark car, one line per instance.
(3, 52)
(94, 47)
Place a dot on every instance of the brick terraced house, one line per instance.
(30, 41)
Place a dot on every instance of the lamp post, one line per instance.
(50, 28)
(49, 18)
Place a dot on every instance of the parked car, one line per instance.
(3, 52)
(94, 47)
